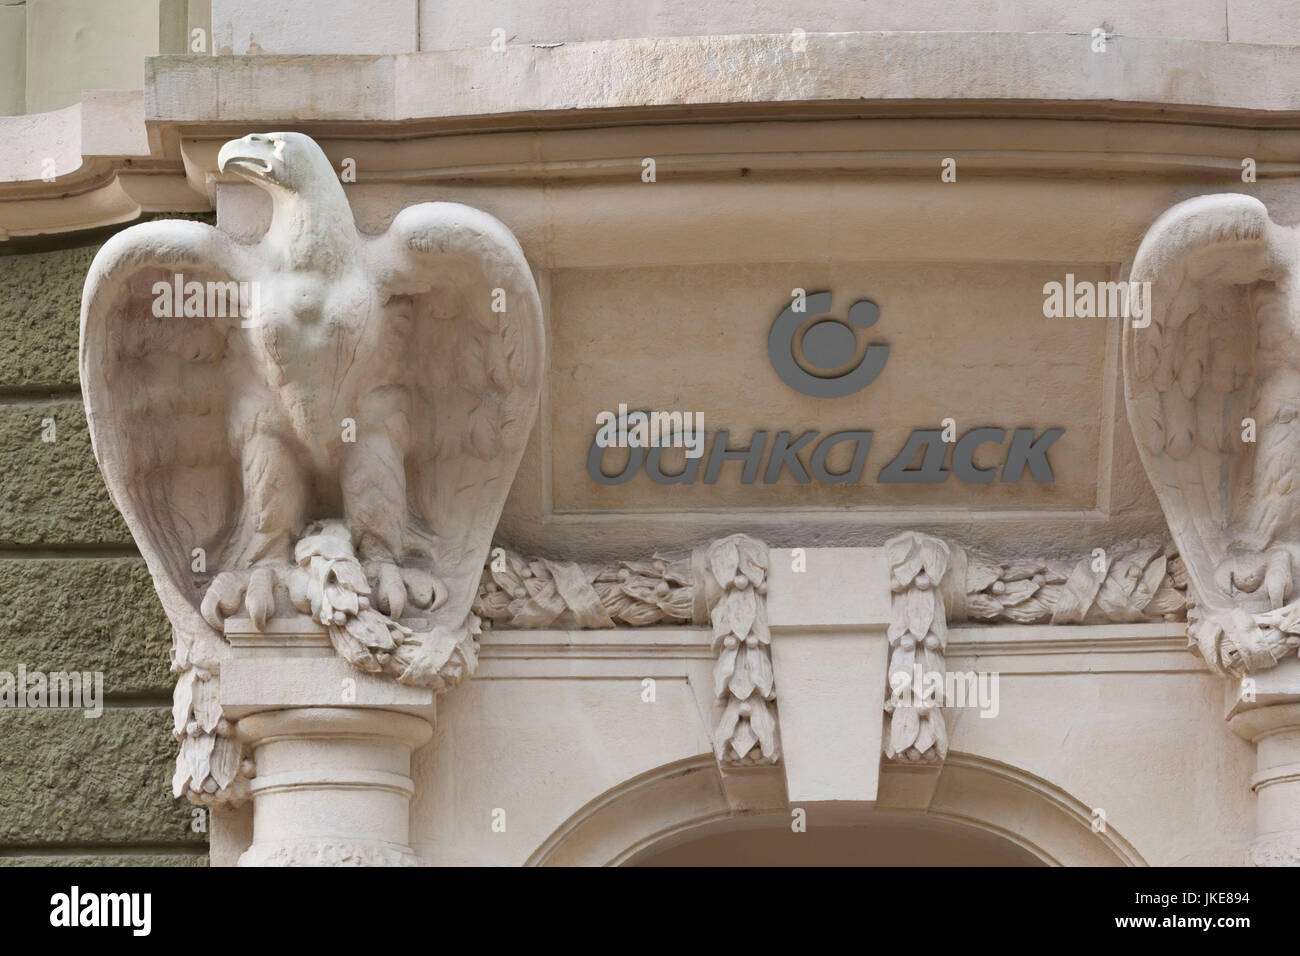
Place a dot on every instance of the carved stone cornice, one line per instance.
(847, 73)
(122, 152)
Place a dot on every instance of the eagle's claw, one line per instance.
(390, 591)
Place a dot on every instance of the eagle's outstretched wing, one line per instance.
(1219, 271)
(475, 353)
(155, 391)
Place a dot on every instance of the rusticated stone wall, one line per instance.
(77, 597)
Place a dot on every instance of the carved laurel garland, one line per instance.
(520, 593)
(1239, 643)
(1140, 581)
(933, 584)
(1132, 582)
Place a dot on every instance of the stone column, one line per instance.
(331, 746)
(1265, 709)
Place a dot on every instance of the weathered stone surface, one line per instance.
(91, 614)
(40, 300)
(65, 778)
(109, 859)
(53, 492)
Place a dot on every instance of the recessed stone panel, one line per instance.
(967, 342)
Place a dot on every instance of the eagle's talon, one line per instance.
(260, 597)
(425, 590)
(1265, 576)
(390, 592)
(1278, 582)
(223, 597)
(299, 587)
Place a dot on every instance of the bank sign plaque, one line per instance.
(828, 345)
(825, 397)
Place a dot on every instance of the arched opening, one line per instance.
(981, 812)
(883, 839)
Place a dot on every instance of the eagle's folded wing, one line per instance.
(155, 391)
(1216, 265)
(473, 356)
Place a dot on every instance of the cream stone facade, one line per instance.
(990, 551)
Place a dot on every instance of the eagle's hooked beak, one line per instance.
(254, 157)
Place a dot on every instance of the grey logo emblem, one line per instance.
(828, 345)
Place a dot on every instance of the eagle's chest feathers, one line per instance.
(319, 343)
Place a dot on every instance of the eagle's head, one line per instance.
(274, 161)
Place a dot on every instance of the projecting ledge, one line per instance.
(747, 75)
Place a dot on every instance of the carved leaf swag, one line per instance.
(519, 593)
(1138, 581)
(1141, 581)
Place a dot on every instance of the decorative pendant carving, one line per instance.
(918, 634)
(733, 578)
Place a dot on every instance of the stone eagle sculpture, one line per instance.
(1213, 393)
(342, 448)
